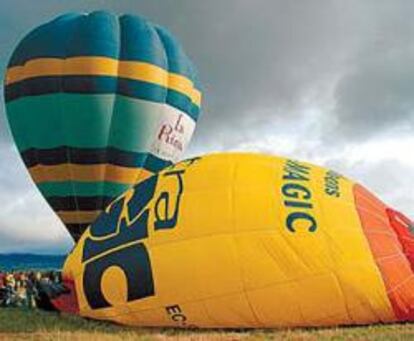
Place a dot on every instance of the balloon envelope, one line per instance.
(244, 240)
(96, 102)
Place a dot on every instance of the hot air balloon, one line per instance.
(244, 240)
(96, 102)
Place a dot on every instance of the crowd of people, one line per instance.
(27, 289)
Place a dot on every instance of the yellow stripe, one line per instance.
(67, 172)
(184, 85)
(103, 66)
(78, 217)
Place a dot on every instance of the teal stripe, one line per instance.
(84, 121)
(93, 84)
(82, 189)
(102, 33)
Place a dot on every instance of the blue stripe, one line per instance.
(79, 203)
(101, 33)
(76, 230)
(178, 61)
(155, 164)
(102, 85)
(140, 42)
(46, 41)
(88, 156)
(95, 34)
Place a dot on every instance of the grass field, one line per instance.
(18, 324)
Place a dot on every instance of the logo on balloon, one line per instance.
(332, 184)
(116, 238)
(298, 197)
(173, 135)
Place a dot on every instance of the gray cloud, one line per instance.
(376, 93)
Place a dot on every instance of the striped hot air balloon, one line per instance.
(244, 240)
(96, 102)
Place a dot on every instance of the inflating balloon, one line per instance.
(243, 240)
(95, 103)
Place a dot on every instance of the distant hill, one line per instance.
(30, 262)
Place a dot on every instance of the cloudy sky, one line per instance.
(331, 82)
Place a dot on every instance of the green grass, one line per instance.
(19, 324)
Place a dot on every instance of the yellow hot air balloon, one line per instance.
(244, 240)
